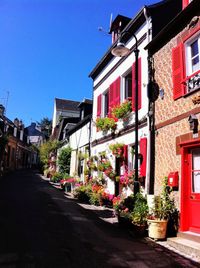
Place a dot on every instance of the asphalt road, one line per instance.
(40, 227)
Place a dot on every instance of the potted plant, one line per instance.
(122, 110)
(162, 210)
(139, 215)
(124, 209)
(105, 124)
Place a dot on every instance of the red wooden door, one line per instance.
(193, 196)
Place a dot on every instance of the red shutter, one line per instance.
(184, 3)
(117, 91)
(111, 97)
(139, 85)
(114, 94)
(99, 106)
(143, 152)
(178, 72)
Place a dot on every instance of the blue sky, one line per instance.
(49, 47)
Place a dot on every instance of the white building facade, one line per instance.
(113, 84)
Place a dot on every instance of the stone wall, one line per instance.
(171, 116)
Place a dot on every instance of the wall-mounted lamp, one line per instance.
(193, 121)
(121, 51)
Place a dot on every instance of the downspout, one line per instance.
(148, 172)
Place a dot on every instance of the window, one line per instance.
(128, 86)
(105, 104)
(196, 170)
(193, 56)
(186, 66)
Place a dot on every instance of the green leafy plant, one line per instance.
(122, 110)
(83, 193)
(56, 177)
(164, 205)
(105, 124)
(64, 160)
(140, 210)
(45, 150)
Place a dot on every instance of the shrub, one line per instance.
(83, 193)
(56, 177)
(94, 198)
(64, 160)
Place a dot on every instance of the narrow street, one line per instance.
(40, 227)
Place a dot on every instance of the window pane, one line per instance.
(196, 159)
(128, 86)
(195, 64)
(196, 182)
(194, 48)
(196, 170)
(106, 104)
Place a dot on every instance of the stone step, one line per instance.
(186, 246)
(189, 235)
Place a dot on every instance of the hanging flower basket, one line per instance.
(123, 110)
(105, 124)
(117, 149)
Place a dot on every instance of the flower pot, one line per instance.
(157, 228)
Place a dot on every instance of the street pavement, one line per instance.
(41, 227)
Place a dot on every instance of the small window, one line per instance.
(193, 63)
(127, 86)
(105, 104)
(193, 56)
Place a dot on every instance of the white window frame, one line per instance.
(123, 86)
(192, 76)
(188, 43)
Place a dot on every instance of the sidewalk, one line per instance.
(107, 215)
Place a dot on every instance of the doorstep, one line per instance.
(186, 244)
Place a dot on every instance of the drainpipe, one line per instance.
(148, 172)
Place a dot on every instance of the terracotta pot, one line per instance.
(157, 229)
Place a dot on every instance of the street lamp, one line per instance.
(121, 51)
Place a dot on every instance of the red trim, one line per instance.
(190, 143)
(193, 31)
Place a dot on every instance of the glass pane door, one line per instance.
(196, 170)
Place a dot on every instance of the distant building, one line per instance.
(64, 109)
(36, 137)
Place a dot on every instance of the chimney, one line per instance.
(117, 26)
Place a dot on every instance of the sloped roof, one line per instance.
(62, 104)
(33, 131)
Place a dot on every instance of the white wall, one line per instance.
(128, 139)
